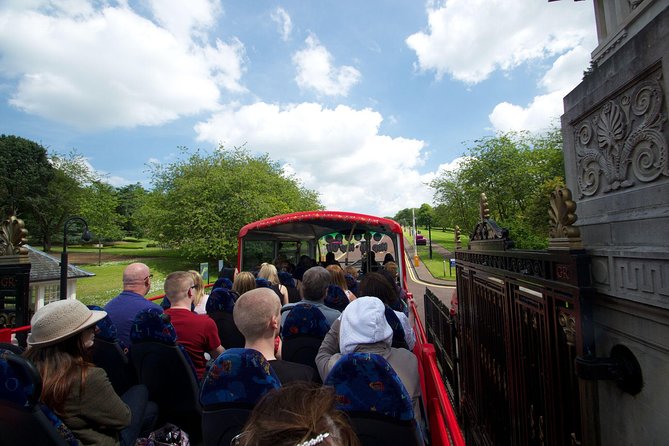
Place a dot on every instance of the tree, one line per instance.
(130, 199)
(24, 171)
(97, 205)
(199, 204)
(424, 215)
(404, 217)
(513, 169)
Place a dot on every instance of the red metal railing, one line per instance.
(444, 427)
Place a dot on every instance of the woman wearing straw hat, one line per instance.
(80, 393)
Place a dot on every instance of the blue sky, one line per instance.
(363, 101)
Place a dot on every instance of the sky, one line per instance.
(365, 102)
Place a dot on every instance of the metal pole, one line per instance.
(429, 234)
(86, 236)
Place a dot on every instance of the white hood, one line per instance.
(363, 322)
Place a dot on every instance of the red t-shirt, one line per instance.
(197, 333)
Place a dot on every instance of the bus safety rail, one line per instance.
(444, 427)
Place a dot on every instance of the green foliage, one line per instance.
(516, 171)
(24, 171)
(130, 199)
(199, 204)
(97, 205)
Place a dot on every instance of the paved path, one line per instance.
(421, 278)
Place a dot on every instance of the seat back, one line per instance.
(380, 408)
(220, 305)
(399, 338)
(232, 386)
(336, 298)
(302, 333)
(166, 370)
(22, 419)
(109, 354)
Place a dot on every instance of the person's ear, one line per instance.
(274, 322)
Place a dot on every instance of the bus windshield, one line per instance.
(360, 240)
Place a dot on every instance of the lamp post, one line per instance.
(429, 234)
(85, 236)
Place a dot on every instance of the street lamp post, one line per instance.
(429, 234)
(85, 236)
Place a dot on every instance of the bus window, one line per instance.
(255, 253)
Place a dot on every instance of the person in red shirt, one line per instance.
(196, 332)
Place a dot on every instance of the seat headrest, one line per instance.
(221, 299)
(151, 324)
(365, 382)
(286, 279)
(336, 298)
(20, 381)
(304, 319)
(263, 283)
(239, 375)
(106, 329)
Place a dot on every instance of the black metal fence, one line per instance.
(508, 355)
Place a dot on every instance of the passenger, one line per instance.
(226, 277)
(388, 258)
(401, 303)
(391, 267)
(363, 328)
(377, 285)
(200, 298)
(269, 272)
(369, 263)
(244, 281)
(287, 280)
(339, 279)
(76, 390)
(330, 260)
(123, 308)
(299, 414)
(197, 333)
(315, 283)
(257, 315)
(303, 265)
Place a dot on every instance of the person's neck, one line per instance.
(181, 305)
(141, 291)
(264, 346)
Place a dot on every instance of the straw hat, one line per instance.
(60, 320)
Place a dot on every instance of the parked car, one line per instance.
(420, 240)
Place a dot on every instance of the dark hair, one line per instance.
(228, 273)
(377, 285)
(388, 258)
(296, 413)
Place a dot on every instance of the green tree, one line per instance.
(424, 215)
(98, 205)
(404, 217)
(24, 170)
(199, 204)
(130, 199)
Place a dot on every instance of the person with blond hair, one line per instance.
(244, 281)
(200, 298)
(197, 333)
(339, 279)
(270, 273)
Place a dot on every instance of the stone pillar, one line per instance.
(617, 165)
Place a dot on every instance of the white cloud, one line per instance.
(110, 67)
(470, 39)
(544, 110)
(336, 151)
(316, 72)
(283, 21)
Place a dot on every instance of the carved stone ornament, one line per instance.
(563, 215)
(623, 141)
(13, 237)
(568, 324)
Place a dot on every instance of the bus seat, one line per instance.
(302, 334)
(351, 283)
(220, 305)
(399, 338)
(379, 406)
(22, 419)
(234, 383)
(165, 368)
(336, 298)
(263, 283)
(108, 354)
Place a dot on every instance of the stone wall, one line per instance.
(617, 165)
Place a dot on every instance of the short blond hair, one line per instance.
(177, 284)
(253, 311)
(244, 282)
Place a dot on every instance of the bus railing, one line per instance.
(444, 427)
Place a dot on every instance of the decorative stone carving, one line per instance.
(622, 142)
(563, 215)
(568, 324)
(13, 237)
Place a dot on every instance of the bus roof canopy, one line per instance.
(316, 224)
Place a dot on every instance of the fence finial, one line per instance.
(458, 243)
(563, 215)
(13, 237)
(484, 210)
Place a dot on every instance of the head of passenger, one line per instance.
(388, 258)
(364, 322)
(337, 276)
(315, 283)
(180, 289)
(375, 284)
(244, 282)
(330, 258)
(269, 272)
(137, 278)
(257, 314)
(199, 287)
(391, 267)
(61, 334)
(299, 413)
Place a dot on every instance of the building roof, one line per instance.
(46, 268)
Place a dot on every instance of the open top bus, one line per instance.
(352, 236)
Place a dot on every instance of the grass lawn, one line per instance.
(436, 265)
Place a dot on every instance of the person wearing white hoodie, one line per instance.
(363, 328)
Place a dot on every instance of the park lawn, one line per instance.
(128, 247)
(437, 267)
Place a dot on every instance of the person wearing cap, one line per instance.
(77, 391)
(363, 328)
(123, 308)
(197, 333)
